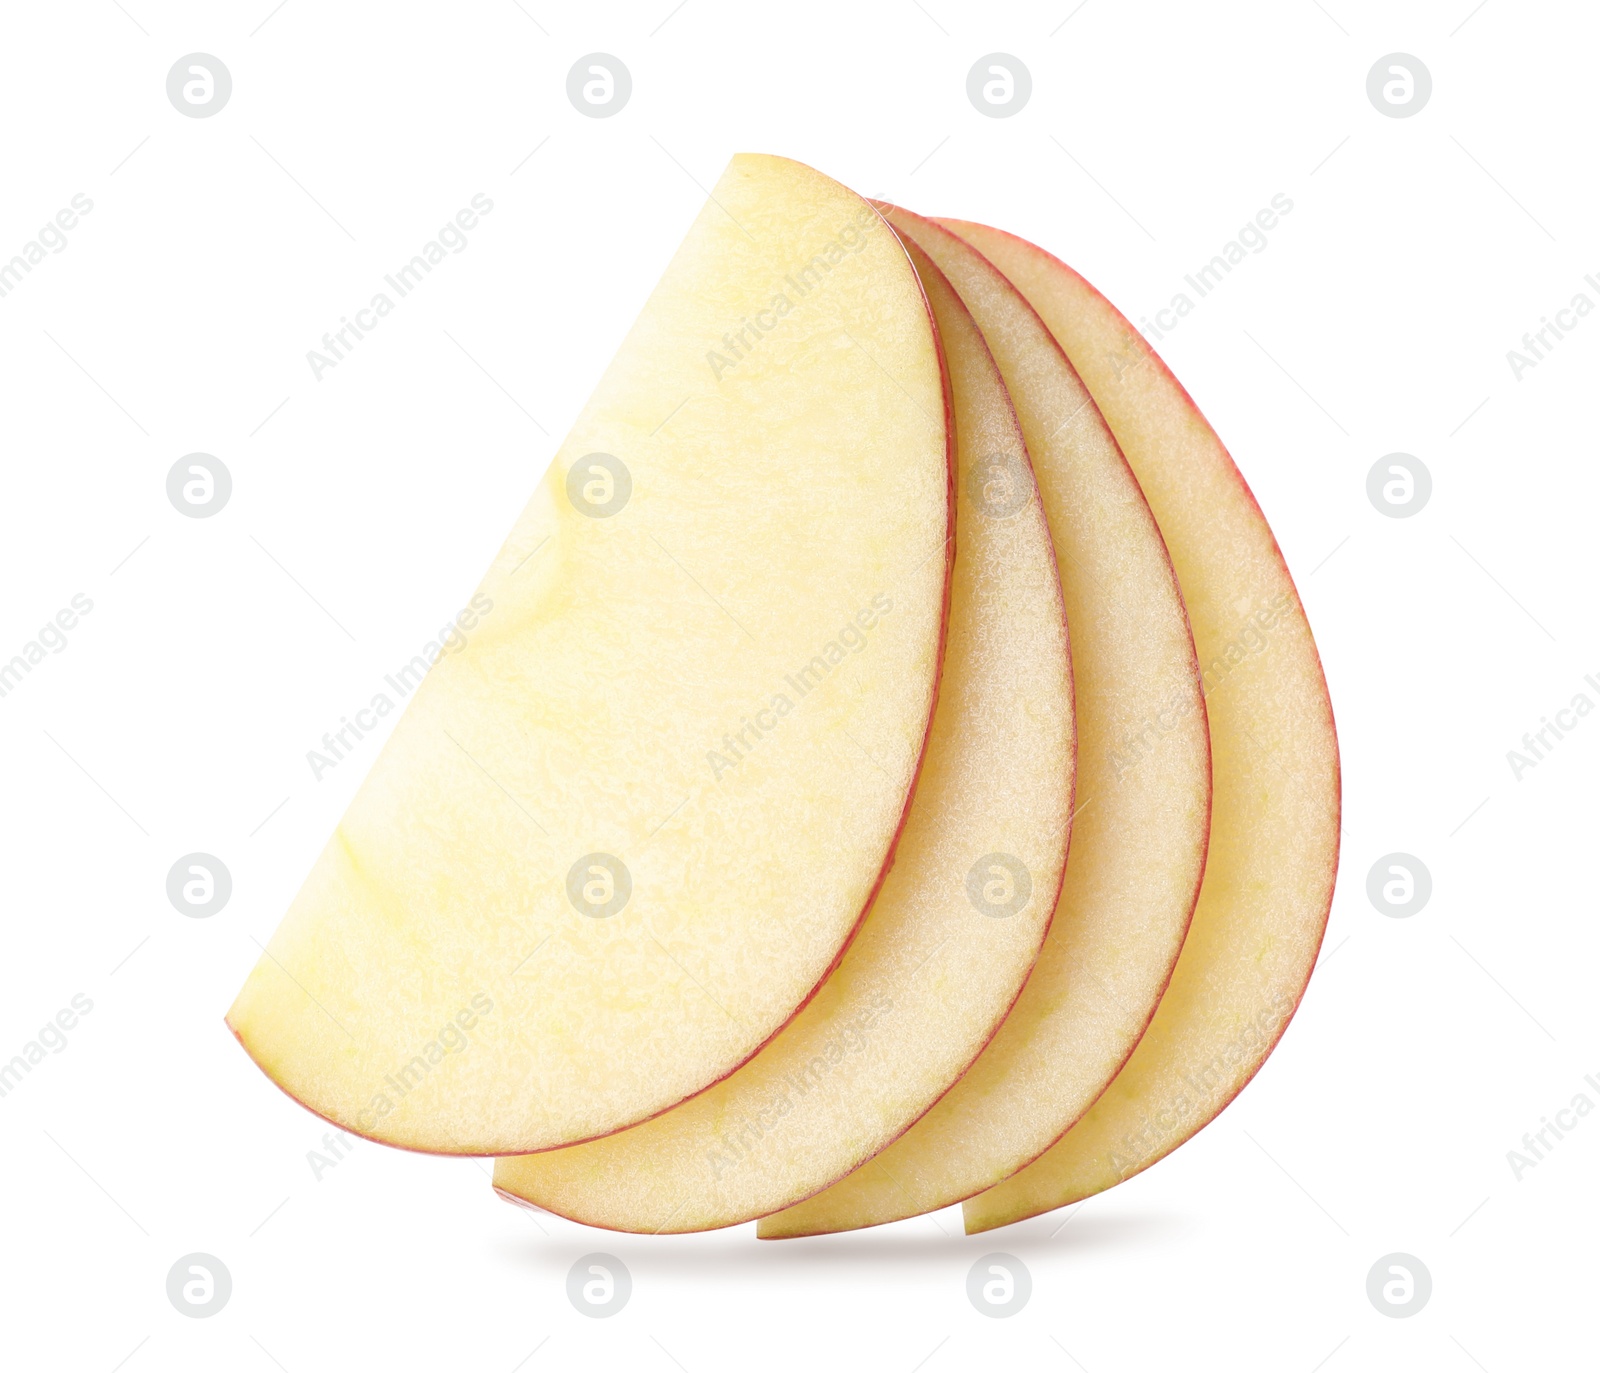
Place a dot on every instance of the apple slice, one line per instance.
(958, 923)
(624, 832)
(1275, 817)
(1139, 842)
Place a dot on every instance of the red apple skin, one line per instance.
(1154, 359)
(938, 226)
(889, 856)
(925, 264)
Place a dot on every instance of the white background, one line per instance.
(367, 504)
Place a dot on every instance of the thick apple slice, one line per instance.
(1275, 809)
(1139, 842)
(626, 830)
(958, 923)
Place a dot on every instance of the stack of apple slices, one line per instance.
(724, 872)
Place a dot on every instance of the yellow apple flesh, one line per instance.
(1275, 810)
(1139, 840)
(957, 926)
(623, 833)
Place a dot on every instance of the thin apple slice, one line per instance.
(958, 923)
(621, 835)
(1275, 812)
(1139, 842)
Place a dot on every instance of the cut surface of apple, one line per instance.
(1139, 840)
(624, 831)
(1275, 810)
(951, 937)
